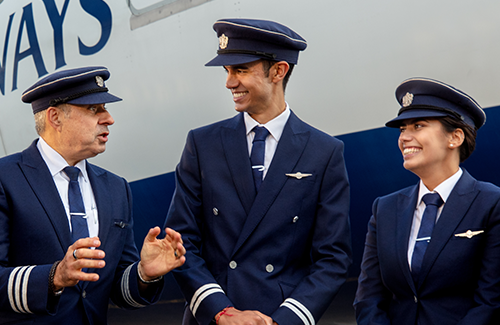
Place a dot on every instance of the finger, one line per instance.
(85, 243)
(180, 249)
(90, 277)
(152, 234)
(83, 253)
(174, 235)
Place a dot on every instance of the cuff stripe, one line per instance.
(125, 285)
(17, 289)
(300, 310)
(203, 292)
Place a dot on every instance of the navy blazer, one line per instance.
(460, 277)
(34, 233)
(284, 251)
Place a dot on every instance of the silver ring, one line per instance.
(175, 253)
(74, 254)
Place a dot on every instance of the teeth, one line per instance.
(408, 151)
(238, 95)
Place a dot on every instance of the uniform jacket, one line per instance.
(460, 278)
(284, 251)
(34, 233)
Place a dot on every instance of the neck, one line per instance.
(58, 147)
(271, 112)
(435, 178)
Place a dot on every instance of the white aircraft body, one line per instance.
(358, 52)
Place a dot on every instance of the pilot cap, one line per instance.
(423, 97)
(247, 40)
(80, 86)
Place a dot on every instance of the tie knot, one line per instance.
(72, 173)
(261, 133)
(432, 199)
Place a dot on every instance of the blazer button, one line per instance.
(233, 264)
(269, 268)
(295, 219)
(216, 211)
(84, 294)
(415, 299)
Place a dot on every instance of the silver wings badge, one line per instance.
(469, 234)
(298, 175)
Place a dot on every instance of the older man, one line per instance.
(66, 239)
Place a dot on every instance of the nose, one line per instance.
(231, 80)
(106, 118)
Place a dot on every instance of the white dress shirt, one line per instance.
(56, 163)
(275, 128)
(444, 189)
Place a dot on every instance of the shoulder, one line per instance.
(488, 188)
(29, 156)
(393, 197)
(101, 172)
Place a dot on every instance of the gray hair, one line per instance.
(40, 118)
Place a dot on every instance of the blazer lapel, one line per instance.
(405, 211)
(457, 205)
(238, 161)
(290, 147)
(41, 182)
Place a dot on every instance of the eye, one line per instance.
(418, 126)
(402, 129)
(92, 108)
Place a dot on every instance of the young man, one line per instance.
(262, 198)
(66, 240)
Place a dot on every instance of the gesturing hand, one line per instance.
(160, 256)
(79, 256)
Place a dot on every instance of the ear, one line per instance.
(457, 137)
(279, 71)
(54, 117)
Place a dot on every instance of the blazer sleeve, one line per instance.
(372, 297)
(204, 296)
(331, 249)
(125, 292)
(24, 289)
(487, 294)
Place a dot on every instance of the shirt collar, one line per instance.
(444, 189)
(55, 162)
(275, 126)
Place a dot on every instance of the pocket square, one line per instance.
(298, 175)
(469, 234)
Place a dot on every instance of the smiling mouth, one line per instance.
(237, 95)
(409, 151)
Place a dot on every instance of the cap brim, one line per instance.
(413, 114)
(95, 98)
(231, 59)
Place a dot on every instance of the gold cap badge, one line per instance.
(99, 81)
(223, 39)
(407, 99)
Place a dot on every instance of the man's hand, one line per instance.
(160, 256)
(69, 271)
(234, 316)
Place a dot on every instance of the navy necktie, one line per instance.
(79, 228)
(432, 203)
(257, 154)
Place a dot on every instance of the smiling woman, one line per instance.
(431, 247)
